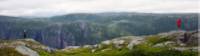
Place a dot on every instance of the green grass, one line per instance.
(6, 51)
(146, 48)
(155, 39)
(139, 50)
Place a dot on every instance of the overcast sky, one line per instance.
(56, 7)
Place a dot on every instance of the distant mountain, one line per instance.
(91, 28)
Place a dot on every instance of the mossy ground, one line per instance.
(6, 51)
(143, 49)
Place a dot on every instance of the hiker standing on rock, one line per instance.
(186, 35)
(24, 34)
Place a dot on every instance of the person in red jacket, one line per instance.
(178, 23)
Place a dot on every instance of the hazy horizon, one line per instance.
(59, 7)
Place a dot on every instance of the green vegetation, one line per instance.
(6, 51)
(140, 50)
(153, 45)
(146, 48)
(88, 28)
(155, 39)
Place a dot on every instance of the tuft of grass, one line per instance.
(157, 39)
(146, 49)
(42, 52)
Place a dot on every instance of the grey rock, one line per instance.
(26, 51)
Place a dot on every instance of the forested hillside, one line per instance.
(91, 28)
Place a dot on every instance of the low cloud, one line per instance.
(54, 7)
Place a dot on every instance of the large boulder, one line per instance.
(188, 38)
(183, 38)
(135, 41)
(26, 51)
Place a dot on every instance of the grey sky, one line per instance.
(56, 7)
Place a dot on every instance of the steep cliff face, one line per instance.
(80, 29)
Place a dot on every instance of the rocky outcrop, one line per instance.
(26, 51)
(188, 38)
(25, 47)
(180, 40)
(183, 38)
(176, 40)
